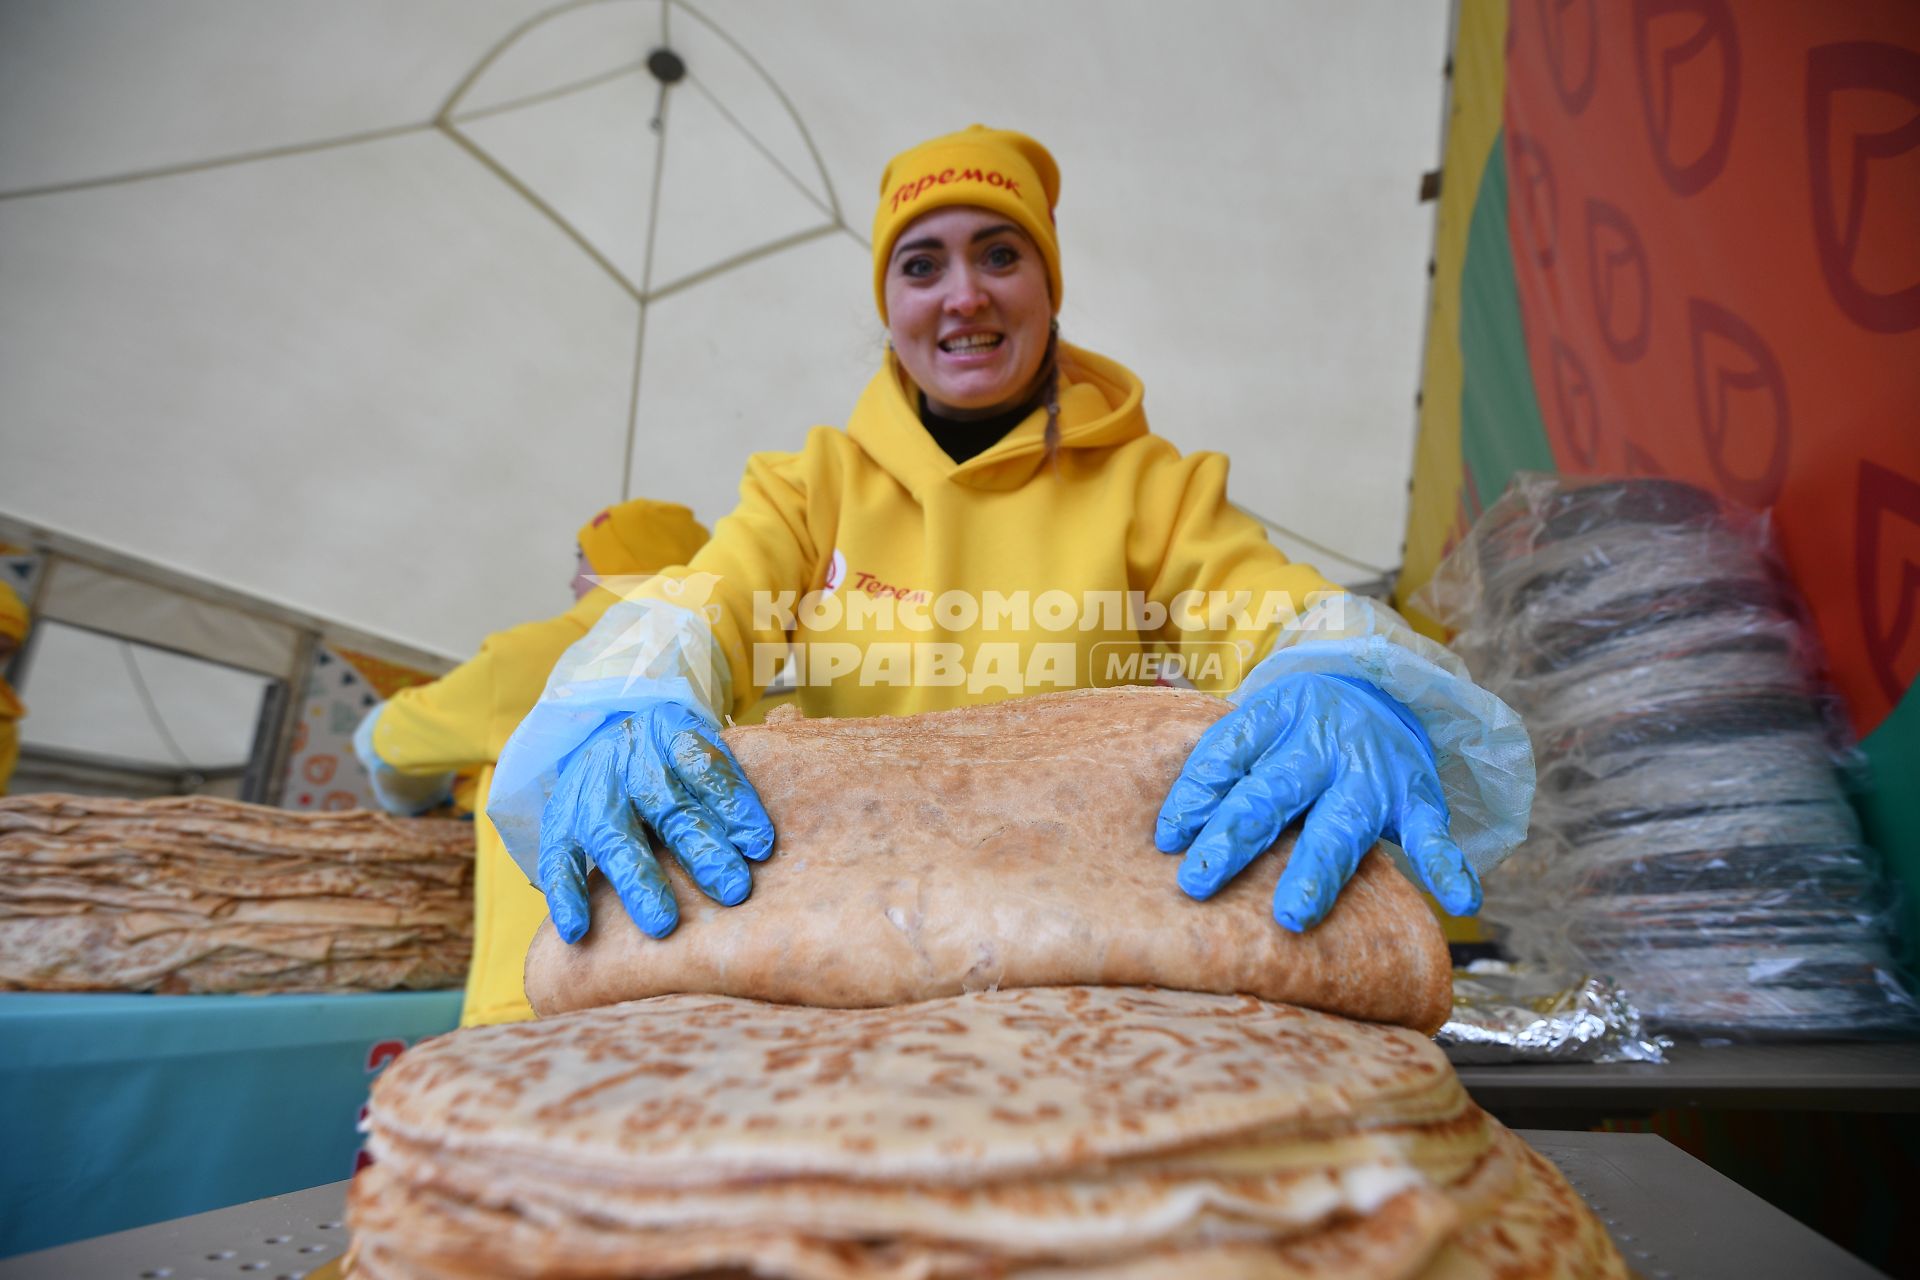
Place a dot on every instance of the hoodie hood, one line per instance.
(1100, 406)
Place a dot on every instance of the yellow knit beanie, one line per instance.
(641, 536)
(993, 169)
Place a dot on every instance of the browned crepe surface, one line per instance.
(678, 1091)
(1035, 1133)
(1008, 845)
(1539, 1229)
(427, 1235)
(1183, 1132)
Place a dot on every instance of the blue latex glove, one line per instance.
(1339, 745)
(405, 795)
(661, 765)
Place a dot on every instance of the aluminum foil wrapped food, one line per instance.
(1509, 1013)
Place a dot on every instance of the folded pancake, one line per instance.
(422, 1234)
(1000, 846)
(682, 1091)
(1536, 1228)
(1115, 1209)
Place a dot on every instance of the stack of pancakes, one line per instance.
(1692, 839)
(1095, 1131)
(194, 894)
(1071, 1122)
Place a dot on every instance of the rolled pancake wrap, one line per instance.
(1000, 846)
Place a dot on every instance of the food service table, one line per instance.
(1673, 1217)
(118, 1110)
(1866, 1077)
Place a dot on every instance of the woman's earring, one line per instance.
(1054, 327)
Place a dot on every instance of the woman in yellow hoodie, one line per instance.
(414, 744)
(996, 519)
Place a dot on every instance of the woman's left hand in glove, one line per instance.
(1342, 751)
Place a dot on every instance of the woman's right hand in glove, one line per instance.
(660, 775)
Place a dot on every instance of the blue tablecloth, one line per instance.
(120, 1110)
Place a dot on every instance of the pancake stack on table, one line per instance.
(190, 894)
(992, 1087)
(1104, 1131)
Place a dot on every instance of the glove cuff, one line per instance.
(641, 650)
(1478, 744)
(404, 795)
(1394, 707)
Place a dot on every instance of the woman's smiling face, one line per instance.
(968, 310)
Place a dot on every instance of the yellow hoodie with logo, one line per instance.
(901, 575)
(908, 582)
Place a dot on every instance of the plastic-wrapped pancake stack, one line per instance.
(1691, 837)
(997, 1093)
(190, 894)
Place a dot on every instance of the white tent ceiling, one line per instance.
(340, 303)
(101, 698)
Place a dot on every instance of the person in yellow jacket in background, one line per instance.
(997, 519)
(13, 633)
(415, 743)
